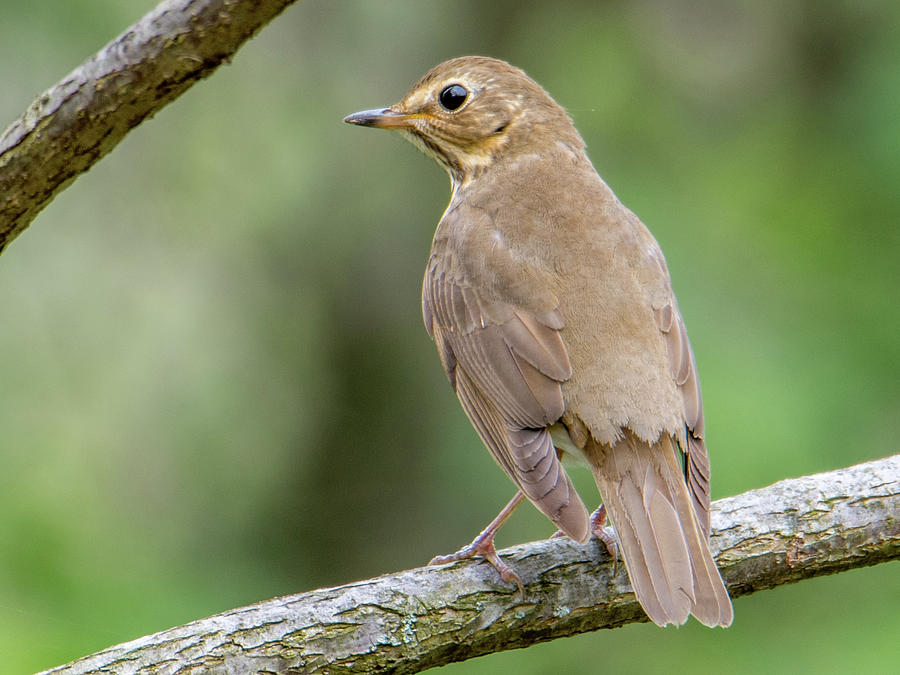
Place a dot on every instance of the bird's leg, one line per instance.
(598, 528)
(483, 545)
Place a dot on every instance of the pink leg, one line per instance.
(483, 545)
(598, 529)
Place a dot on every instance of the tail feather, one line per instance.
(665, 549)
(662, 574)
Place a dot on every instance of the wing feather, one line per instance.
(684, 372)
(507, 366)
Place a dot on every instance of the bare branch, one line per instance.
(80, 119)
(421, 618)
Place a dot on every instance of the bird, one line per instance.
(551, 307)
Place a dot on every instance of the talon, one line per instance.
(483, 546)
(482, 549)
(505, 571)
(441, 559)
(599, 529)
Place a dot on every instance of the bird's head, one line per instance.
(473, 111)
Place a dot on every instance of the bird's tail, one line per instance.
(666, 553)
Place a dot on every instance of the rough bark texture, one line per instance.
(84, 116)
(421, 618)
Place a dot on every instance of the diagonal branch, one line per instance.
(81, 118)
(422, 618)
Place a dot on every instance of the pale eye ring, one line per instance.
(452, 97)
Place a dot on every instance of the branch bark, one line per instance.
(426, 617)
(76, 122)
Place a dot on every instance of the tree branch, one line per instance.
(80, 119)
(431, 616)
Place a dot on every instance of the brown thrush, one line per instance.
(551, 308)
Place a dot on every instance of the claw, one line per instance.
(599, 529)
(483, 548)
(483, 545)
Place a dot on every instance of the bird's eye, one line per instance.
(453, 96)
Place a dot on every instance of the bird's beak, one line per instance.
(384, 118)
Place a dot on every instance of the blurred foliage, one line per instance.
(216, 387)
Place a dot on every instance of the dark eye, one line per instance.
(453, 96)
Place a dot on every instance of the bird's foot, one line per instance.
(483, 547)
(599, 529)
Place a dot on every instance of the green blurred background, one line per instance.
(216, 386)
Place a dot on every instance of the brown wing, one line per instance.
(684, 370)
(506, 365)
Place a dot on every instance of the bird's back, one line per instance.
(594, 261)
